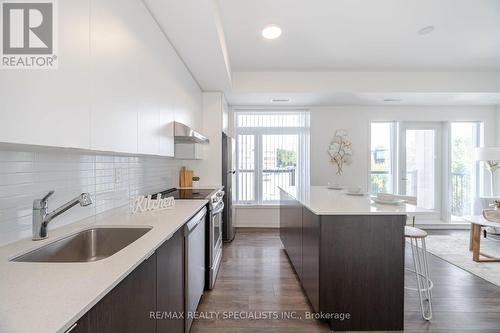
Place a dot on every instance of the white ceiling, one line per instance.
(363, 35)
(195, 30)
(339, 52)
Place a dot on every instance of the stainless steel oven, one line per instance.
(216, 208)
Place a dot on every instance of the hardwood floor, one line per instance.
(256, 277)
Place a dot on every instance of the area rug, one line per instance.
(455, 249)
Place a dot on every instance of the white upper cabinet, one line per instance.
(136, 67)
(167, 146)
(50, 107)
(117, 89)
(115, 74)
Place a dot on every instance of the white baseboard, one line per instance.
(256, 217)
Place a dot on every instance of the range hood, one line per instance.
(185, 134)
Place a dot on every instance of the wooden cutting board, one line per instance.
(185, 177)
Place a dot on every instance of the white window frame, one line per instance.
(445, 205)
(258, 132)
(439, 162)
(448, 174)
(393, 153)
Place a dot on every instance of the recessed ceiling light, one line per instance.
(280, 100)
(271, 31)
(392, 100)
(426, 30)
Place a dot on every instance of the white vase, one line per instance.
(196, 185)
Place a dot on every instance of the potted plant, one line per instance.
(196, 184)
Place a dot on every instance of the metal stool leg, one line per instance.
(422, 276)
(428, 278)
(416, 264)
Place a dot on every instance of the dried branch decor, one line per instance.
(340, 150)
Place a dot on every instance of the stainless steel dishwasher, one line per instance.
(194, 232)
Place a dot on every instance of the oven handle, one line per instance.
(218, 209)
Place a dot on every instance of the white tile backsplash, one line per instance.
(28, 173)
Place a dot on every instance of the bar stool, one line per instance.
(424, 283)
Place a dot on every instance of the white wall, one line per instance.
(215, 119)
(28, 173)
(257, 217)
(118, 85)
(209, 169)
(321, 82)
(498, 145)
(356, 120)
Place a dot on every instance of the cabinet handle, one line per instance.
(72, 328)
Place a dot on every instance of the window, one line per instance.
(272, 151)
(407, 159)
(420, 162)
(381, 175)
(464, 169)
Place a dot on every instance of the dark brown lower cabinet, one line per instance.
(150, 299)
(291, 230)
(310, 256)
(126, 309)
(362, 271)
(170, 284)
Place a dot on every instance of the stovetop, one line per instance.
(188, 193)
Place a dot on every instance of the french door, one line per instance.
(420, 161)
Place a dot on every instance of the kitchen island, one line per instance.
(348, 254)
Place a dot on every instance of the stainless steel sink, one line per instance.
(85, 246)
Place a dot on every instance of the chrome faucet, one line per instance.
(41, 216)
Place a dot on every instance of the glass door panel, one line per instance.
(420, 173)
(381, 156)
(464, 175)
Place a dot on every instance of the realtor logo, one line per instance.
(28, 34)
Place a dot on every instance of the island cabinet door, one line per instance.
(170, 284)
(310, 256)
(291, 230)
(296, 239)
(127, 308)
(362, 271)
(285, 214)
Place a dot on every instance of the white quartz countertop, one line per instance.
(50, 297)
(323, 201)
